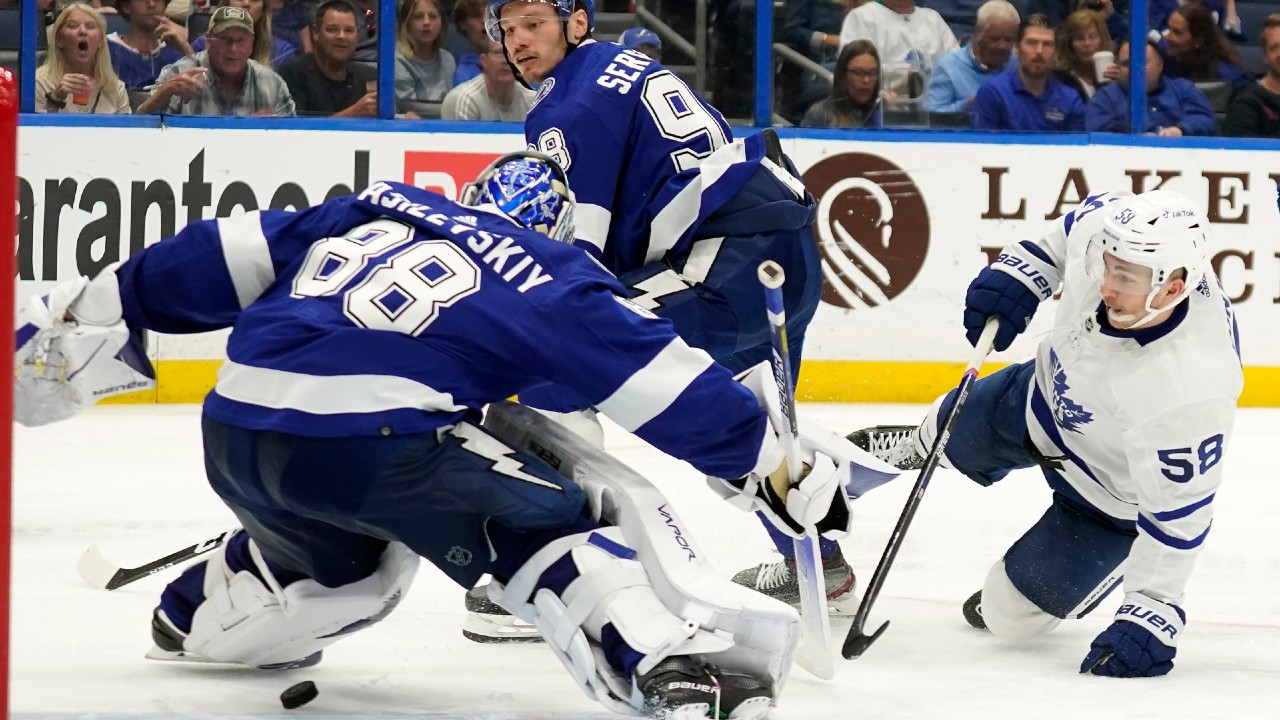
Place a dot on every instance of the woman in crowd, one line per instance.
(424, 69)
(77, 76)
(1195, 49)
(855, 90)
(267, 49)
(1082, 34)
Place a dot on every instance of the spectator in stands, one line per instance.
(1195, 49)
(152, 42)
(1255, 108)
(289, 22)
(1114, 14)
(76, 76)
(326, 81)
(959, 16)
(855, 90)
(1175, 107)
(366, 31)
(1080, 36)
(958, 75)
(903, 33)
(470, 42)
(1029, 97)
(223, 79)
(494, 95)
(813, 27)
(643, 41)
(267, 49)
(1225, 16)
(424, 69)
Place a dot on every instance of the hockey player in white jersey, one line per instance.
(1127, 407)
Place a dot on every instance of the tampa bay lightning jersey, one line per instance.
(648, 160)
(397, 311)
(1141, 419)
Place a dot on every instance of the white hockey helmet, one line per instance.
(1160, 230)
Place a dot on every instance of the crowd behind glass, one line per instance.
(1212, 68)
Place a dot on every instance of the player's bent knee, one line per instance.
(1008, 613)
(248, 621)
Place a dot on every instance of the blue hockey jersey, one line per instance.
(648, 160)
(398, 311)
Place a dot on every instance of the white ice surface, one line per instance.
(131, 478)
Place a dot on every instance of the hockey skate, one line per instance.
(894, 444)
(778, 581)
(488, 623)
(169, 639)
(682, 688)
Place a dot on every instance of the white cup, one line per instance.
(1102, 60)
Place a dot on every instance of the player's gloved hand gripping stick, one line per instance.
(856, 642)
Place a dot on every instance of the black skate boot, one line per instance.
(894, 444)
(488, 623)
(973, 611)
(778, 580)
(682, 688)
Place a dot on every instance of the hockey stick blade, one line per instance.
(103, 574)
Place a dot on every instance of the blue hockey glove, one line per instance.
(1011, 289)
(1140, 643)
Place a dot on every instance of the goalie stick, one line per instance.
(103, 574)
(814, 653)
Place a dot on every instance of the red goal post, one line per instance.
(9, 196)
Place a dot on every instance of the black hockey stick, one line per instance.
(857, 642)
(103, 574)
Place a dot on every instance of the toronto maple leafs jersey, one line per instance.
(648, 160)
(1141, 419)
(397, 311)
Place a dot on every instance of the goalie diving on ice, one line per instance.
(368, 334)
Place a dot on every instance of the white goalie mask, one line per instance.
(1160, 231)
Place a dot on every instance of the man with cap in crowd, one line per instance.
(222, 79)
(642, 40)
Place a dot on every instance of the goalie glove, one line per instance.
(817, 501)
(74, 349)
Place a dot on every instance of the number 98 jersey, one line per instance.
(634, 139)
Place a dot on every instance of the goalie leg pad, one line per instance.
(764, 631)
(577, 585)
(249, 621)
(1008, 613)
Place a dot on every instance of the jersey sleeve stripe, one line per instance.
(248, 256)
(671, 224)
(654, 387)
(328, 394)
(1182, 511)
(1164, 538)
(591, 224)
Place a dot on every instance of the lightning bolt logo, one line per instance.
(478, 442)
(652, 290)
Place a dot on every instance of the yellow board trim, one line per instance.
(853, 381)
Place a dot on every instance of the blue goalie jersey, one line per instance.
(648, 160)
(397, 311)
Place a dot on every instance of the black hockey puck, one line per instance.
(973, 611)
(299, 695)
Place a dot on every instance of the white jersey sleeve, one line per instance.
(1175, 462)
